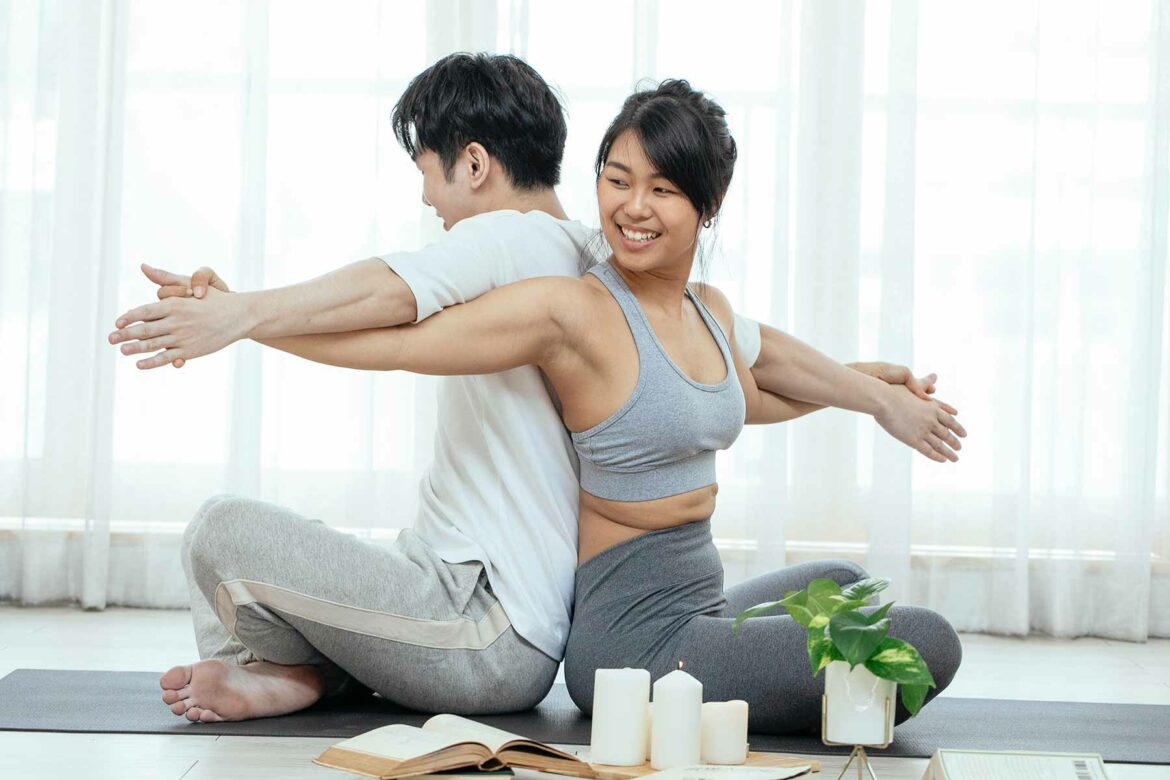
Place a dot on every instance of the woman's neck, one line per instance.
(661, 289)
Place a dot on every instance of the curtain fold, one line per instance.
(983, 193)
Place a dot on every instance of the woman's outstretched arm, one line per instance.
(515, 325)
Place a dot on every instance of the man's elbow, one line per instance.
(393, 299)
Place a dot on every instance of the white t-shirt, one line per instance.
(503, 487)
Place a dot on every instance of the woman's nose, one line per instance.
(637, 207)
(425, 201)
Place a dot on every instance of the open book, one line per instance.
(446, 742)
(1013, 765)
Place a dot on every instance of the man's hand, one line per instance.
(927, 426)
(181, 328)
(894, 374)
(936, 446)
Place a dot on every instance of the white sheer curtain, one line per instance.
(979, 193)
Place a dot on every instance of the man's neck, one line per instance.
(544, 199)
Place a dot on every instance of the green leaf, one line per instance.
(863, 590)
(855, 636)
(821, 651)
(751, 612)
(842, 604)
(796, 602)
(899, 661)
(819, 622)
(879, 613)
(913, 696)
(820, 593)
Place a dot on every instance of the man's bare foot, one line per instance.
(212, 690)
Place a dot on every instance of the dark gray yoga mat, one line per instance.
(129, 702)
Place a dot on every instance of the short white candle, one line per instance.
(678, 713)
(620, 702)
(725, 729)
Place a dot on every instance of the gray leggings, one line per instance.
(658, 599)
(268, 584)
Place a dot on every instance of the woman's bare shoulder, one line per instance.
(717, 303)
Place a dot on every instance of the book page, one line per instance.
(704, 772)
(469, 731)
(1021, 766)
(400, 742)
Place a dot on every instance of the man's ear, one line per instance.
(478, 164)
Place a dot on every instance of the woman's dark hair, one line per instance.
(684, 135)
(495, 99)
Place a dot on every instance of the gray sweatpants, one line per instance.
(268, 584)
(658, 599)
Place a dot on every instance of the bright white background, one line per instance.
(976, 190)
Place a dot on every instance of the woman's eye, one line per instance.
(617, 182)
(663, 191)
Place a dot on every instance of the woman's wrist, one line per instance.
(881, 398)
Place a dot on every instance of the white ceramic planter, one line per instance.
(855, 706)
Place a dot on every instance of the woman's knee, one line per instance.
(935, 639)
(842, 571)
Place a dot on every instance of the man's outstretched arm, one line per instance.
(802, 380)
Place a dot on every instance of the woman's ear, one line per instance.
(478, 163)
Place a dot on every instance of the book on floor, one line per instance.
(451, 745)
(446, 743)
(1013, 765)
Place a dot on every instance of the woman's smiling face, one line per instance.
(649, 223)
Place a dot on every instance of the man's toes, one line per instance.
(170, 697)
(181, 706)
(194, 713)
(207, 716)
(175, 678)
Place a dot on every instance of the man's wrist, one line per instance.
(251, 312)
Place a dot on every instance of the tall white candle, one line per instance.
(678, 708)
(725, 729)
(620, 698)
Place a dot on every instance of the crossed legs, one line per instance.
(287, 610)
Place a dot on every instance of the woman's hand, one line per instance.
(171, 285)
(926, 426)
(178, 328)
(195, 285)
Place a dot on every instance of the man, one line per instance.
(469, 610)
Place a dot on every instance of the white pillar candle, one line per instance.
(678, 712)
(725, 729)
(620, 701)
(649, 727)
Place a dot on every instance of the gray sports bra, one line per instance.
(662, 441)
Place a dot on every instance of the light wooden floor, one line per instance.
(123, 639)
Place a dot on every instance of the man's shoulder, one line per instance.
(534, 223)
(531, 243)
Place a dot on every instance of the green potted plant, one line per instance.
(863, 665)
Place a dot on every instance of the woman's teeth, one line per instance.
(638, 235)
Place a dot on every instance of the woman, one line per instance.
(650, 387)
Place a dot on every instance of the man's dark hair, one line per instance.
(684, 135)
(495, 99)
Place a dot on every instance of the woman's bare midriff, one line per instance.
(604, 523)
